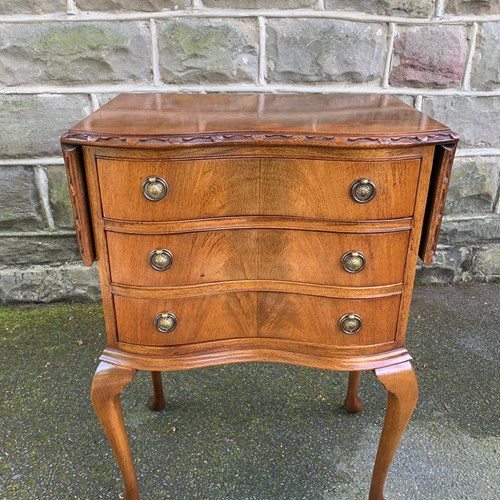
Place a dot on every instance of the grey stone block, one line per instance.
(61, 53)
(132, 5)
(450, 265)
(260, 4)
(208, 50)
(30, 125)
(60, 203)
(324, 50)
(49, 284)
(486, 264)
(472, 7)
(486, 74)
(470, 231)
(31, 7)
(27, 251)
(411, 8)
(429, 56)
(476, 119)
(474, 185)
(19, 200)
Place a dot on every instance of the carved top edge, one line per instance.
(261, 138)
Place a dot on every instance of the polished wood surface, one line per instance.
(276, 315)
(283, 255)
(258, 216)
(109, 381)
(228, 187)
(316, 319)
(153, 115)
(157, 401)
(79, 202)
(200, 319)
(402, 393)
(352, 402)
(440, 181)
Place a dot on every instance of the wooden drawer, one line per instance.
(267, 186)
(316, 257)
(316, 319)
(200, 319)
(285, 255)
(251, 314)
(197, 189)
(321, 189)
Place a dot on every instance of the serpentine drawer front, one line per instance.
(258, 186)
(282, 228)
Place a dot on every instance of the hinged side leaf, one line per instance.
(79, 202)
(440, 178)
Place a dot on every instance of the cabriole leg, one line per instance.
(109, 381)
(352, 403)
(157, 401)
(401, 385)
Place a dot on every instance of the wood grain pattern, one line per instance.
(238, 315)
(220, 352)
(196, 189)
(322, 190)
(264, 222)
(316, 319)
(441, 173)
(402, 393)
(163, 120)
(75, 175)
(197, 257)
(108, 382)
(209, 188)
(314, 257)
(200, 319)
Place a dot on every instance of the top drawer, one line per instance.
(197, 189)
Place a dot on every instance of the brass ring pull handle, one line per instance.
(161, 259)
(353, 262)
(350, 323)
(154, 188)
(166, 322)
(362, 190)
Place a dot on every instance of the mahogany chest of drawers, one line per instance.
(233, 228)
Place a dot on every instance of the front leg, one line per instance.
(401, 384)
(109, 381)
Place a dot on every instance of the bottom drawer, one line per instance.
(199, 319)
(302, 318)
(318, 319)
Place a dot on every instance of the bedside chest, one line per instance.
(234, 228)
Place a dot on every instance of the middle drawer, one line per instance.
(336, 259)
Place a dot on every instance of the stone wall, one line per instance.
(61, 59)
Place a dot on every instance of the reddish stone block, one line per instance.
(429, 56)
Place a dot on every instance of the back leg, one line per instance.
(352, 403)
(157, 401)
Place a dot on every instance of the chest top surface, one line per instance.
(357, 120)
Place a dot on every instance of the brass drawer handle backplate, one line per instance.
(161, 259)
(353, 262)
(350, 323)
(363, 190)
(154, 188)
(166, 322)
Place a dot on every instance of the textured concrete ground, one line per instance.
(254, 431)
